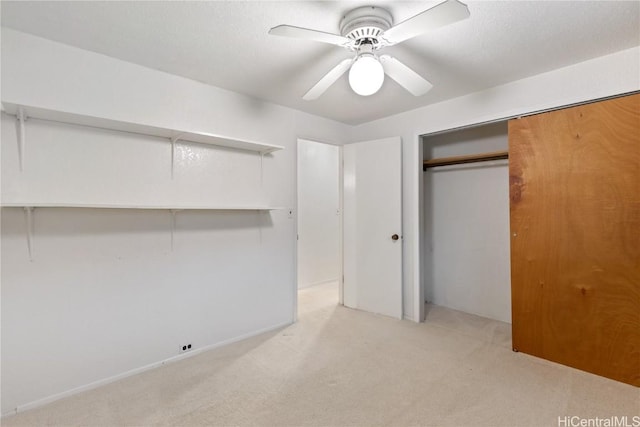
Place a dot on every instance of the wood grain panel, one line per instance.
(575, 236)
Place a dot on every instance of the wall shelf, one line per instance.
(173, 210)
(24, 112)
(140, 207)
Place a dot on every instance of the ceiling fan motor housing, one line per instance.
(366, 23)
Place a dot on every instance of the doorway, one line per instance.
(319, 232)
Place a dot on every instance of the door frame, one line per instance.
(340, 228)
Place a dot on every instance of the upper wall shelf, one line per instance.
(102, 123)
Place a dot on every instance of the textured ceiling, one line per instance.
(225, 44)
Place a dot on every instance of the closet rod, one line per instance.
(446, 161)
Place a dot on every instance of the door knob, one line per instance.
(395, 237)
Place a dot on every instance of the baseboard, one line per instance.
(409, 318)
(108, 380)
(322, 282)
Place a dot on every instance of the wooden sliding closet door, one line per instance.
(575, 236)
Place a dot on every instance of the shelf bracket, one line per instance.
(21, 117)
(28, 215)
(260, 217)
(174, 139)
(261, 169)
(173, 225)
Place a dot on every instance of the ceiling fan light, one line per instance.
(366, 75)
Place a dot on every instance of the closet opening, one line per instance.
(466, 261)
(319, 226)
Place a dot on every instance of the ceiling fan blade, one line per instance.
(306, 33)
(438, 16)
(405, 76)
(328, 79)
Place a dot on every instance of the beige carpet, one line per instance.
(342, 367)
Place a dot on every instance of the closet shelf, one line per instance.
(457, 160)
(141, 207)
(102, 123)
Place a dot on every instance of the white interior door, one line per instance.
(372, 213)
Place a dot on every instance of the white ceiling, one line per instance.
(225, 44)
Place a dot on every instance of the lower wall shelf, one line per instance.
(30, 207)
(142, 207)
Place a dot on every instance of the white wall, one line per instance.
(105, 293)
(600, 77)
(466, 229)
(318, 213)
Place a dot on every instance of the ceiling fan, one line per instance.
(365, 30)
